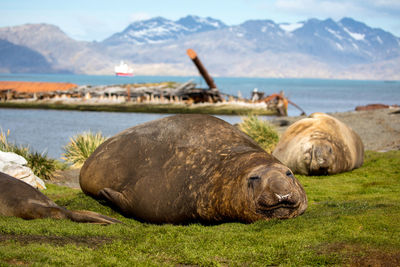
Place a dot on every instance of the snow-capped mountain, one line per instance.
(344, 42)
(256, 48)
(263, 34)
(347, 41)
(157, 30)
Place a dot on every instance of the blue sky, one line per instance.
(98, 19)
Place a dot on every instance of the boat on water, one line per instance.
(123, 70)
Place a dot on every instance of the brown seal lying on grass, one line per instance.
(320, 145)
(19, 199)
(191, 168)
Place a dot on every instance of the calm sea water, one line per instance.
(47, 130)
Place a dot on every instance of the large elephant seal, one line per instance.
(191, 168)
(320, 145)
(19, 199)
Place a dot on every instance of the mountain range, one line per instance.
(344, 49)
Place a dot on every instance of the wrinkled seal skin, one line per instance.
(320, 145)
(19, 199)
(191, 168)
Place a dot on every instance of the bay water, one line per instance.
(50, 130)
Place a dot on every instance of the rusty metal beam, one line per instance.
(193, 56)
(128, 93)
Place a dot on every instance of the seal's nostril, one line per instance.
(283, 197)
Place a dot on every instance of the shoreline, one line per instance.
(379, 129)
(167, 108)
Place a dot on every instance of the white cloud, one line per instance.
(318, 8)
(386, 3)
(332, 8)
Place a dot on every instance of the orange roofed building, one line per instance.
(35, 87)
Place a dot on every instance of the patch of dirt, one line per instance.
(17, 262)
(354, 255)
(69, 178)
(92, 242)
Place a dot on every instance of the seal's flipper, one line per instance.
(90, 217)
(41, 211)
(57, 212)
(116, 198)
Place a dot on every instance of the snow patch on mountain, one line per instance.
(355, 46)
(291, 27)
(354, 35)
(335, 33)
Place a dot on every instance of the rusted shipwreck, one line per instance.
(165, 92)
(158, 92)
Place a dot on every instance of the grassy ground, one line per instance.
(352, 219)
(227, 109)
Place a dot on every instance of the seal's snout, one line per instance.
(283, 190)
(277, 193)
(321, 159)
(279, 186)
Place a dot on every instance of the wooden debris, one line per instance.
(280, 102)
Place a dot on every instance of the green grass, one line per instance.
(145, 108)
(353, 219)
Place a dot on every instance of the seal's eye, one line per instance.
(254, 178)
(253, 181)
(289, 174)
(330, 150)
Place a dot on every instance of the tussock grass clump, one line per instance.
(41, 165)
(81, 147)
(260, 131)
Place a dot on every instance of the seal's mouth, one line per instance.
(320, 160)
(274, 204)
(319, 171)
(262, 208)
(285, 208)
